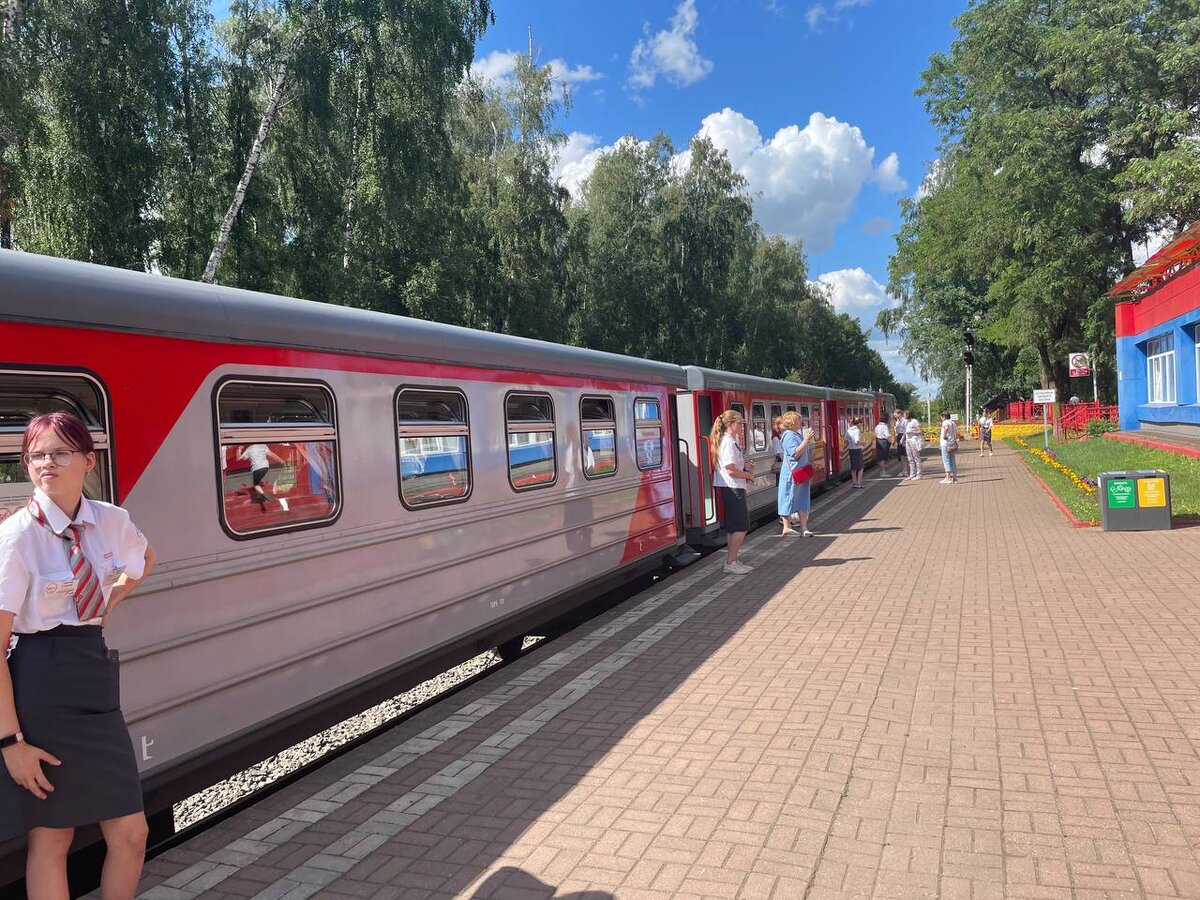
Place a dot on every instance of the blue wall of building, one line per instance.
(1132, 379)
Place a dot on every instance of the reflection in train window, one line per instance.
(758, 425)
(647, 422)
(434, 446)
(598, 430)
(740, 409)
(278, 456)
(532, 461)
(26, 394)
(776, 412)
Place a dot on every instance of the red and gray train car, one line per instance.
(434, 491)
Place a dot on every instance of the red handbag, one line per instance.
(801, 474)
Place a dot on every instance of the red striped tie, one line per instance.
(89, 599)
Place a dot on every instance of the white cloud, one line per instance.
(854, 291)
(805, 180)
(671, 53)
(828, 13)
(887, 176)
(576, 160)
(932, 180)
(497, 67)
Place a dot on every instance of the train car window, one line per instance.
(740, 409)
(791, 407)
(26, 394)
(278, 456)
(647, 424)
(434, 446)
(776, 412)
(532, 460)
(598, 433)
(758, 425)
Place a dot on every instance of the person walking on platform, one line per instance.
(985, 433)
(883, 444)
(795, 500)
(855, 448)
(730, 477)
(914, 443)
(66, 563)
(948, 442)
(901, 435)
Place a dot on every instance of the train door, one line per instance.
(698, 500)
(833, 442)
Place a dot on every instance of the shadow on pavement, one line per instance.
(513, 882)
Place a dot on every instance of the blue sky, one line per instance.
(813, 99)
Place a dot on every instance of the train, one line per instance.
(434, 491)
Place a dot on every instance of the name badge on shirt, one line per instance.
(114, 573)
(64, 587)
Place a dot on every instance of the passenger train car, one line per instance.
(760, 401)
(433, 491)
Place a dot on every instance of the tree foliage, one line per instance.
(340, 150)
(1071, 132)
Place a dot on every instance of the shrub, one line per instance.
(1097, 427)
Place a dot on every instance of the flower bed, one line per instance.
(1082, 482)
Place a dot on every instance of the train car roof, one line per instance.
(702, 379)
(44, 290)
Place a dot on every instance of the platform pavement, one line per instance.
(948, 693)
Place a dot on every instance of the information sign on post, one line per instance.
(1045, 398)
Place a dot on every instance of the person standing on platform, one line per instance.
(948, 442)
(777, 446)
(795, 500)
(730, 477)
(883, 437)
(985, 432)
(901, 436)
(66, 563)
(855, 448)
(914, 443)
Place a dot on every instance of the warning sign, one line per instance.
(1152, 492)
(1079, 365)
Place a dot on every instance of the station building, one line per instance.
(1158, 337)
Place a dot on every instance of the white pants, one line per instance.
(913, 448)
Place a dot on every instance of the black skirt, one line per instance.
(737, 515)
(68, 698)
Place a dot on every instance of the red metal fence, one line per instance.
(1074, 417)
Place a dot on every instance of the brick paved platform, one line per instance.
(950, 693)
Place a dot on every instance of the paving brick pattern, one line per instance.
(949, 693)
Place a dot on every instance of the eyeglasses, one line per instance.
(58, 457)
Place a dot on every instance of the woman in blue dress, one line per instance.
(795, 499)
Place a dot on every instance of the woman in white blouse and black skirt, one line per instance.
(66, 562)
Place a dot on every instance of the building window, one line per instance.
(27, 394)
(434, 444)
(758, 426)
(1160, 369)
(647, 424)
(598, 432)
(278, 456)
(532, 460)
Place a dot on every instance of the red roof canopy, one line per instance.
(1161, 267)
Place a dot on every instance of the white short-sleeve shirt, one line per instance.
(854, 437)
(728, 452)
(882, 432)
(913, 426)
(257, 454)
(36, 583)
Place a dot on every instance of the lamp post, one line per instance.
(968, 357)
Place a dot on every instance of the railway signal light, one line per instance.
(969, 357)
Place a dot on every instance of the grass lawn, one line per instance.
(1092, 456)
